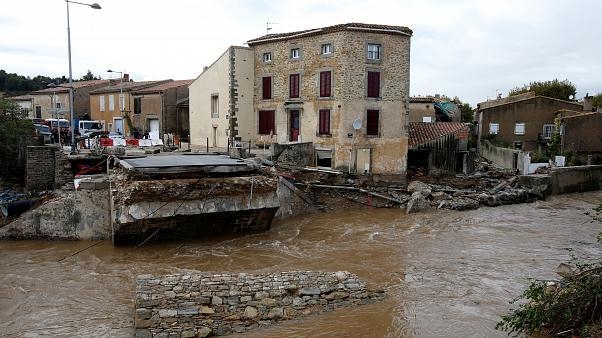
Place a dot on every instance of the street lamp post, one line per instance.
(94, 6)
(121, 98)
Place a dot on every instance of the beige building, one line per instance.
(156, 111)
(108, 105)
(221, 99)
(345, 88)
(47, 103)
(422, 109)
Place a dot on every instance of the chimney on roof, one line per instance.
(126, 77)
(588, 103)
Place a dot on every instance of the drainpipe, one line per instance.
(162, 129)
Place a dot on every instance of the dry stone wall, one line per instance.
(198, 305)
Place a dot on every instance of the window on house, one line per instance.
(548, 131)
(121, 102)
(373, 84)
(267, 87)
(295, 53)
(215, 106)
(57, 105)
(38, 112)
(324, 158)
(325, 84)
(374, 51)
(267, 57)
(324, 122)
(519, 128)
(372, 122)
(293, 86)
(138, 105)
(326, 49)
(266, 122)
(111, 102)
(102, 103)
(494, 128)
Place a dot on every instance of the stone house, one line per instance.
(25, 103)
(422, 109)
(345, 88)
(113, 110)
(48, 102)
(582, 135)
(221, 99)
(156, 109)
(523, 121)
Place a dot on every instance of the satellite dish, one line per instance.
(357, 124)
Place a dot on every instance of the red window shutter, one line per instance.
(325, 84)
(373, 84)
(267, 87)
(266, 122)
(294, 86)
(324, 122)
(372, 123)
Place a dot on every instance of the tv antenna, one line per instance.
(268, 28)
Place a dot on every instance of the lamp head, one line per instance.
(95, 6)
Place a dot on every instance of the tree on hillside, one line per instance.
(597, 100)
(562, 90)
(89, 76)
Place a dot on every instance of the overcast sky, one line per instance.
(470, 49)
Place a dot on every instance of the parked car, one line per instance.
(44, 130)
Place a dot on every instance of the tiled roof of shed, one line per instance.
(423, 132)
(116, 86)
(353, 26)
(64, 87)
(165, 86)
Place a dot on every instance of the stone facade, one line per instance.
(533, 113)
(421, 108)
(385, 153)
(198, 305)
(40, 170)
(229, 83)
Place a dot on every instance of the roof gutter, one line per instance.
(284, 37)
(379, 30)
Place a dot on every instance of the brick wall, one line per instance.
(40, 168)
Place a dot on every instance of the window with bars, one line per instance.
(266, 87)
(325, 83)
(266, 122)
(548, 131)
(293, 86)
(324, 122)
(372, 116)
(374, 84)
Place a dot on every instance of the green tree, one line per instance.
(89, 76)
(466, 110)
(562, 90)
(597, 100)
(14, 127)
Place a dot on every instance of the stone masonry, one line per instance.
(198, 304)
(349, 101)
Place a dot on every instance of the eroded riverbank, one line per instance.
(445, 273)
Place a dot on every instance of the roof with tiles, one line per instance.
(424, 132)
(116, 86)
(64, 87)
(164, 86)
(353, 26)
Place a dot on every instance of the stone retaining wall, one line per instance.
(198, 305)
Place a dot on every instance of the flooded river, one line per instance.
(446, 273)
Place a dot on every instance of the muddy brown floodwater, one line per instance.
(446, 273)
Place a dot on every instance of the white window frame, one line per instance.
(111, 102)
(551, 128)
(519, 128)
(494, 128)
(326, 49)
(295, 53)
(101, 101)
(122, 102)
(374, 51)
(267, 57)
